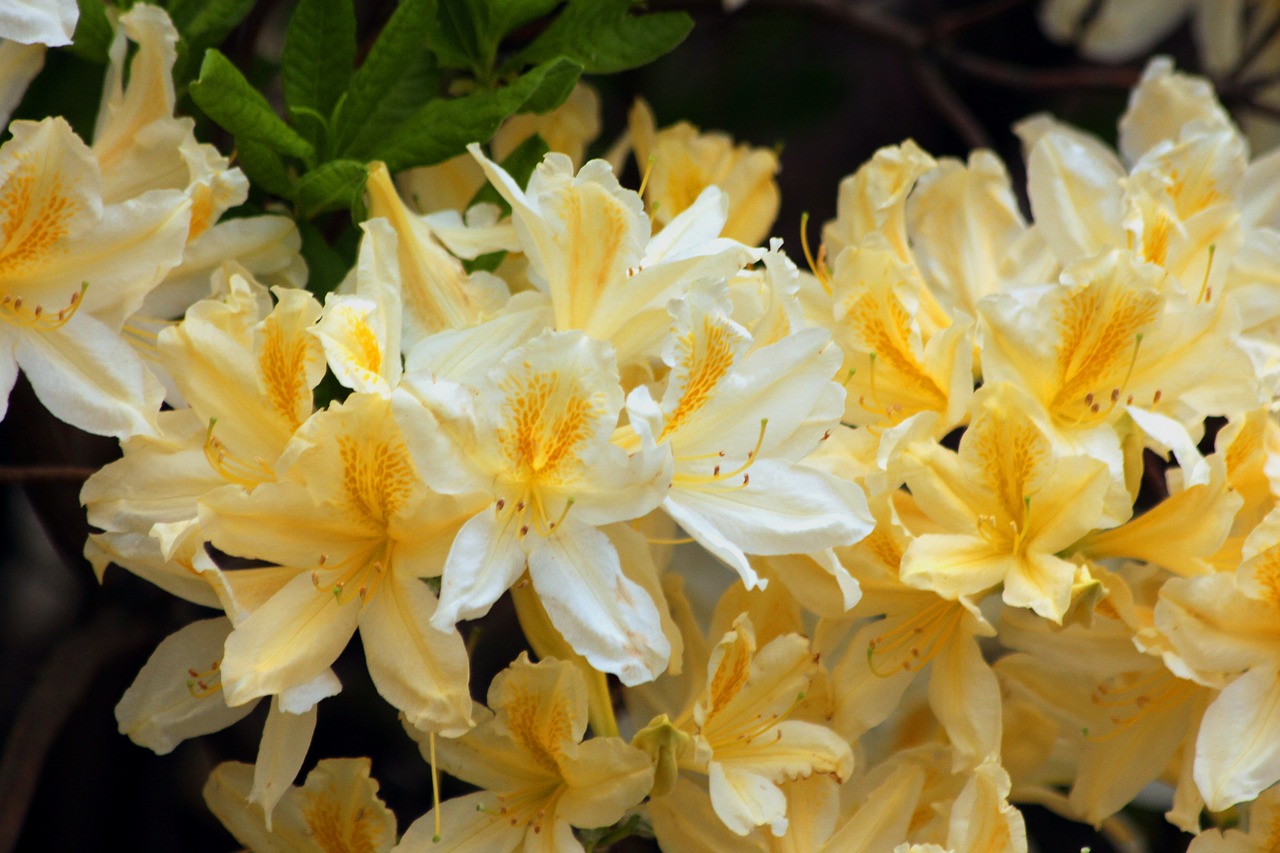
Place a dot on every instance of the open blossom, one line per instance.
(245, 370)
(538, 777)
(738, 422)
(352, 531)
(533, 439)
(1005, 505)
(71, 268)
(591, 250)
(680, 162)
(50, 22)
(337, 809)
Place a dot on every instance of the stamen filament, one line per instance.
(818, 268)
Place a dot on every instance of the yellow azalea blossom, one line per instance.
(590, 249)
(919, 629)
(178, 695)
(353, 531)
(1009, 503)
(738, 422)
(19, 64)
(49, 22)
(1106, 344)
(679, 162)
(245, 370)
(71, 268)
(1225, 626)
(967, 235)
(742, 739)
(892, 371)
(337, 809)
(538, 778)
(817, 823)
(436, 291)
(1127, 718)
(141, 146)
(361, 328)
(533, 439)
(873, 201)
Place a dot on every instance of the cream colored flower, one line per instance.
(1008, 502)
(739, 421)
(352, 531)
(337, 809)
(680, 162)
(742, 738)
(50, 22)
(533, 439)
(246, 371)
(538, 778)
(590, 250)
(71, 269)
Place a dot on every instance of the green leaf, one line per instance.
(399, 47)
(233, 102)
(443, 128)
(417, 84)
(467, 33)
(519, 164)
(455, 35)
(604, 37)
(319, 55)
(264, 168)
(93, 32)
(202, 24)
(333, 186)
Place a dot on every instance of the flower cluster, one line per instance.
(989, 504)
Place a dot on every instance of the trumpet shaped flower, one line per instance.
(738, 421)
(533, 439)
(1009, 503)
(71, 268)
(337, 809)
(539, 779)
(352, 531)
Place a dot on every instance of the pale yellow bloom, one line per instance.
(742, 738)
(245, 370)
(50, 22)
(337, 809)
(590, 249)
(352, 530)
(1226, 626)
(680, 162)
(71, 269)
(141, 146)
(533, 440)
(538, 778)
(1009, 503)
(738, 422)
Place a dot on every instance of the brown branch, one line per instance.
(971, 16)
(61, 685)
(951, 105)
(45, 473)
(1023, 78)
